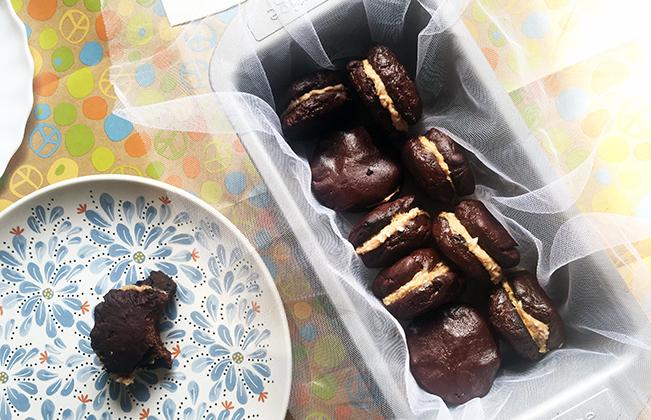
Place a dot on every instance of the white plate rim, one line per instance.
(90, 179)
(23, 76)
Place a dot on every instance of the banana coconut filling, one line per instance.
(139, 289)
(296, 102)
(421, 280)
(430, 146)
(398, 223)
(386, 101)
(494, 270)
(538, 330)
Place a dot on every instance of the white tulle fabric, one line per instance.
(605, 325)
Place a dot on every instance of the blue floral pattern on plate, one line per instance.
(67, 248)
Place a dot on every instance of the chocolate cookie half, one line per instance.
(417, 283)
(316, 100)
(452, 354)
(349, 173)
(390, 232)
(385, 88)
(126, 334)
(525, 317)
(475, 241)
(438, 166)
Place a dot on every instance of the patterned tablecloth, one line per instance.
(534, 46)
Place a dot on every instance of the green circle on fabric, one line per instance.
(134, 56)
(329, 351)
(79, 140)
(102, 158)
(324, 387)
(65, 114)
(70, 2)
(140, 30)
(48, 39)
(167, 83)
(155, 170)
(62, 59)
(80, 83)
(299, 353)
(92, 5)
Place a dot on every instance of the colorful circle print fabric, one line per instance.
(594, 122)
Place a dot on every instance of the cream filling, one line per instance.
(538, 330)
(384, 97)
(134, 288)
(493, 269)
(398, 224)
(421, 279)
(430, 146)
(296, 102)
(125, 380)
(390, 196)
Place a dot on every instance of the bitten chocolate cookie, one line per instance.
(390, 232)
(438, 166)
(416, 284)
(475, 241)
(317, 100)
(386, 90)
(126, 335)
(525, 317)
(350, 173)
(452, 354)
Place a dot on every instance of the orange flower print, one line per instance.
(17, 231)
(85, 307)
(176, 350)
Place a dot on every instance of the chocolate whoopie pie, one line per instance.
(475, 241)
(390, 232)
(349, 173)
(126, 334)
(317, 100)
(416, 284)
(386, 90)
(525, 317)
(438, 166)
(453, 354)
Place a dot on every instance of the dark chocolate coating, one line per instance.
(481, 224)
(126, 335)
(429, 175)
(493, 237)
(452, 354)
(366, 92)
(415, 235)
(161, 281)
(318, 111)
(454, 247)
(349, 173)
(399, 87)
(442, 290)
(536, 303)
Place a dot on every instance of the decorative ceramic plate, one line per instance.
(65, 246)
(16, 97)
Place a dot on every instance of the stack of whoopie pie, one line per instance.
(433, 247)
